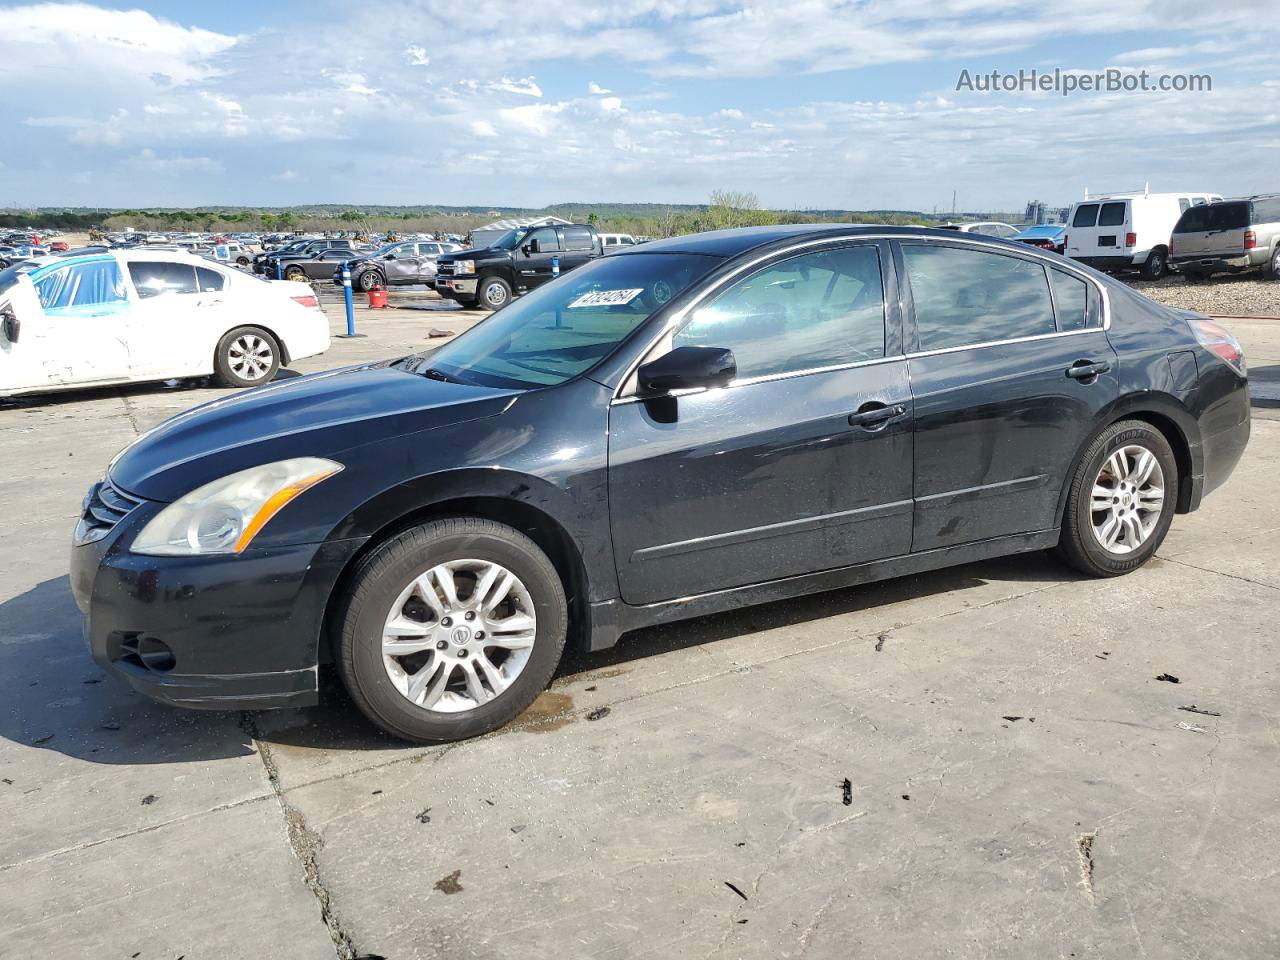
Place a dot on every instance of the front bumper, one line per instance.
(449, 286)
(222, 633)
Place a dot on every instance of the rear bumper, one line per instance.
(1197, 262)
(219, 633)
(1118, 261)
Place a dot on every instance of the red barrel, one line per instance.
(377, 298)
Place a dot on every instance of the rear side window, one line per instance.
(822, 309)
(577, 238)
(1266, 211)
(155, 279)
(209, 281)
(1086, 215)
(1071, 299)
(1112, 215)
(1193, 220)
(966, 297)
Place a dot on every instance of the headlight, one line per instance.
(224, 516)
(464, 266)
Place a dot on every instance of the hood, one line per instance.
(320, 415)
(482, 253)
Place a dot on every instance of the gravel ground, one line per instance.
(1225, 296)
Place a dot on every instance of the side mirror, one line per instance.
(686, 367)
(530, 247)
(11, 326)
(390, 256)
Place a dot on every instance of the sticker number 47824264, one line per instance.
(606, 298)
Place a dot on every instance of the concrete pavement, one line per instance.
(1019, 782)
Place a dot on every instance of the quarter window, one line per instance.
(1071, 298)
(818, 310)
(966, 297)
(154, 279)
(209, 281)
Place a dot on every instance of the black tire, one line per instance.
(493, 293)
(1079, 545)
(295, 273)
(465, 304)
(1156, 265)
(1272, 270)
(231, 348)
(369, 280)
(242, 261)
(379, 580)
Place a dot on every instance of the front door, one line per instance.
(1010, 370)
(782, 473)
(535, 258)
(73, 330)
(403, 265)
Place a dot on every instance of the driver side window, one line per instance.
(548, 242)
(817, 310)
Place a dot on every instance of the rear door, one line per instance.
(998, 344)
(579, 246)
(1097, 229)
(175, 310)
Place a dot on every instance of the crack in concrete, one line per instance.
(305, 844)
(1084, 852)
(1229, 576)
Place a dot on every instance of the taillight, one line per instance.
(1218, 340)
(308, 301)
(1130, 239)
(1250, 240)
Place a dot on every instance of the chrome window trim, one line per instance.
(625, 392)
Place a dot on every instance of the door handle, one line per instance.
(1087, 369)
(874, 415)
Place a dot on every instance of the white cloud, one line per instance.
(417, 56)
(596, 89)
(483, 128)
(610, 104)
(730, 113)
(525, 86)
(148, 161)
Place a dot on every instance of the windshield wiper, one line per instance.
(435, 373)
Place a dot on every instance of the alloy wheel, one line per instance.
(458, 635)
(250, 357)
(495, 294)
(1127, 499)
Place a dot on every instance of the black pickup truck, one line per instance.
(515, 263)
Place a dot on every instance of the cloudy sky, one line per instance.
(808, 103)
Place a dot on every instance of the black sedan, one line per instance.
(316, 265)
(697, 424)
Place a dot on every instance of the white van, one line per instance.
(1128, 231)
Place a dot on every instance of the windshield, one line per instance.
(568, 326)
(509, 239)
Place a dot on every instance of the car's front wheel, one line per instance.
(451, 629)
(494, 293)
(369, 280)
(1121, 502)
(246, 357)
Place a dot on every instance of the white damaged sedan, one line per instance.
(138, 315)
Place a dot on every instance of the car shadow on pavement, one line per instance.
(56, 698)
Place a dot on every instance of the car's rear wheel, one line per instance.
(1156, 265)
(242, 261)
(451, 629)
(246, 357)
(1272, 271)
(369, 280)
(494, 293)
(295, 273)
(1121, 502)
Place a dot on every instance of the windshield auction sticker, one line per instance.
(606, 298)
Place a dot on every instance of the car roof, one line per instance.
(731, 243)
(176, 256)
